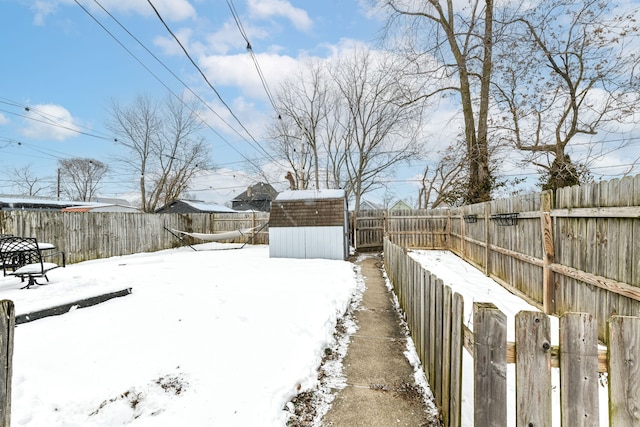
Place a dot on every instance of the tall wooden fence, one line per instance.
(85, 236)
(435, 319)
(577, 250)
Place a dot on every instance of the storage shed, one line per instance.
(309, 224)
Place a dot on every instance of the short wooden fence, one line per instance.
(91, 235)
(435, 319)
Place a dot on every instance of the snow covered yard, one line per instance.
(214, 337)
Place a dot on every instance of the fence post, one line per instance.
(548, 254)
(490, 365)
(463, 232)
(7, 325)
(487, 238)
(624, 375)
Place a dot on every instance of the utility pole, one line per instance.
(58, 183)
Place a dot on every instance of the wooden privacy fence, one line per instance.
(435, 319)
(573, 251)
(92, 235)
(417, 228)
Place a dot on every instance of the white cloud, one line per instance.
(42, 9)
(265, 9)
(240, 71)
(3, 119)
(228, 37)
(49, 121)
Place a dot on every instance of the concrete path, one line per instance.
(381, 389)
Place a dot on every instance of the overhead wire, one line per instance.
(49, 122)
(206, 79)
(206, 104)
(265, 86)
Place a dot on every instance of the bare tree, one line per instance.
(380, 125)
(349, 121)
(303, 106)
(444, 182)
(27, 182)
(80, 177)
(451, 46)
(568, 72)
(290, 143)
(163, 146)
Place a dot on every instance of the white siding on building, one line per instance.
(307, 242)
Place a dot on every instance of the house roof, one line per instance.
(259, 191)
(184, 205)
(101, 207)
(208, 207)
(9, 202)
(400, 204)
(368, 205)
(15, 203)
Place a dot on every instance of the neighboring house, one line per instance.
(101, 207)
(193, 206)
(366, 205)
(258, 197)
(13, 203)
(400, 205)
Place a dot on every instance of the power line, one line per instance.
(52, 118)
(257, 146)
(205, 78)
(236, 17)
(50, 123)
(206, 104)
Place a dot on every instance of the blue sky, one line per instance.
(63, 67)
(58, 62)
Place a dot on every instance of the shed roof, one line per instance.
(311, 194)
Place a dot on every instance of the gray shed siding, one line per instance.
(307, 242)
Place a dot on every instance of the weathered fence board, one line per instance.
(533, 369)
(453, 417)
(579, 370)
(7, 328)
(490, 365)
(624, 371)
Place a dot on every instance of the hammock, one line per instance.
(217, 236)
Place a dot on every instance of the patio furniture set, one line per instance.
(28, 259)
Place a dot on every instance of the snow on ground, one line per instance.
(213, 337)
(474, 286)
